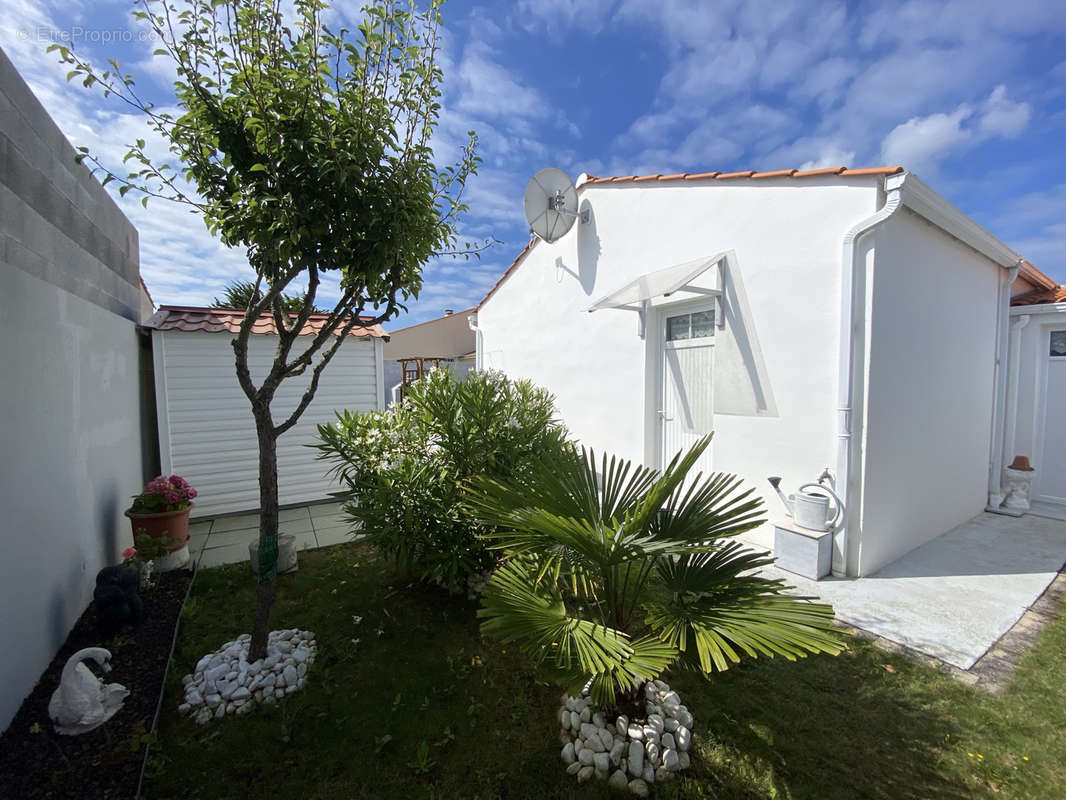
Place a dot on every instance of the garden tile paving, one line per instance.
(224, 540)
(955, 596)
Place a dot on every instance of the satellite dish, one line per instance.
(551, 204)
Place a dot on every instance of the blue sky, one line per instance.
(969, 95)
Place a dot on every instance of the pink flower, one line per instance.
(173, 497)
(129, 552)
(178, 482)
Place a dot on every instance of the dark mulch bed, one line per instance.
(36, 762)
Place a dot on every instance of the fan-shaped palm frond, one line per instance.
(621, 544)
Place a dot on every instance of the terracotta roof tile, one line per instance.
(1036, 277)
(728, 176)
(810, 173)
(872, 171)
(675, 177)
(1040, 296)
(647, 178)
(695, 176)
(228, 320)
(780, 173)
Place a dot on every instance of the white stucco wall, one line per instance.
(72, 459)
(787, 236)
(70, 416)
(207, 432)
(1035, 402)
(929, 393)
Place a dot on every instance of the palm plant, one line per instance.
(615, 574)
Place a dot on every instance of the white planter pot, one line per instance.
(286, 554)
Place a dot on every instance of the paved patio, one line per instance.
(224, 540)
(955, 596)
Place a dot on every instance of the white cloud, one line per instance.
(1003, 117)
(920, 142)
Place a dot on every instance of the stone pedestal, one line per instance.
(286, 554)
(1018, 484)
(803, 551)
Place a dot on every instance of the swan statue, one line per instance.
(82, 701)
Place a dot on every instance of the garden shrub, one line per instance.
(405, 470)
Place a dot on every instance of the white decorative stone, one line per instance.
(564, 718)
(670, 724)
(225, 682)
(636, 758)
(684, 738)
(585, 773)
(616, 752)
(668, 741)
(575, 720)
(568, 753)
(684, 759)
(82, 701)
(638, 787)
(585, 715)
(636, 731)
(649, 773)
(684, 717)
(598, 720)
(618, 781)
(594, 743)
(622, 723)
(601, 761)
(671, 761)
(656, 722)
(606, 738)
(586, 756)
(652, 751)
(574, 768)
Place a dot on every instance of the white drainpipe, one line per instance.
(1013, 379)
(479, 341)
(849, 402)
(999, 377)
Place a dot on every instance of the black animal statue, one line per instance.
(117, 602)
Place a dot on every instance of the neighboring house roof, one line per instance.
(228, 320)
(148, 293)
(449, 336)
(1028, 271)
(1040, 296)
(1037, 278)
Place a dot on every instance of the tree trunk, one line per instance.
(268, 529)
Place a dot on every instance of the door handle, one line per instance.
(662, 413)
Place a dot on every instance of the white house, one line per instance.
(206, 430)
(1036, 392)
(849, 319)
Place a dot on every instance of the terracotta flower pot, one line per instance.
(174, 524)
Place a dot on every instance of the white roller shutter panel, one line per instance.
(206, 429)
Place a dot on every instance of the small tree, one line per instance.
(313, 152)
(241, 294)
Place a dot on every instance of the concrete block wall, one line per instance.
(70, 405)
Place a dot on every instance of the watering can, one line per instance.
(810, 510)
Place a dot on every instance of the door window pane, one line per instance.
(1058, 343)
(702, 324)
(677, 327)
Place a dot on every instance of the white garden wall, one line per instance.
(787, 236)
(206, 430)
(931, 350)
(70, 419)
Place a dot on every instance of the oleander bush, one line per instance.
(405, 470)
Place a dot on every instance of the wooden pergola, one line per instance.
(414, 368)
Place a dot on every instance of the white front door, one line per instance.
(686, 369)
(1051, 478)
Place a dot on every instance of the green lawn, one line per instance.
(865, 724)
